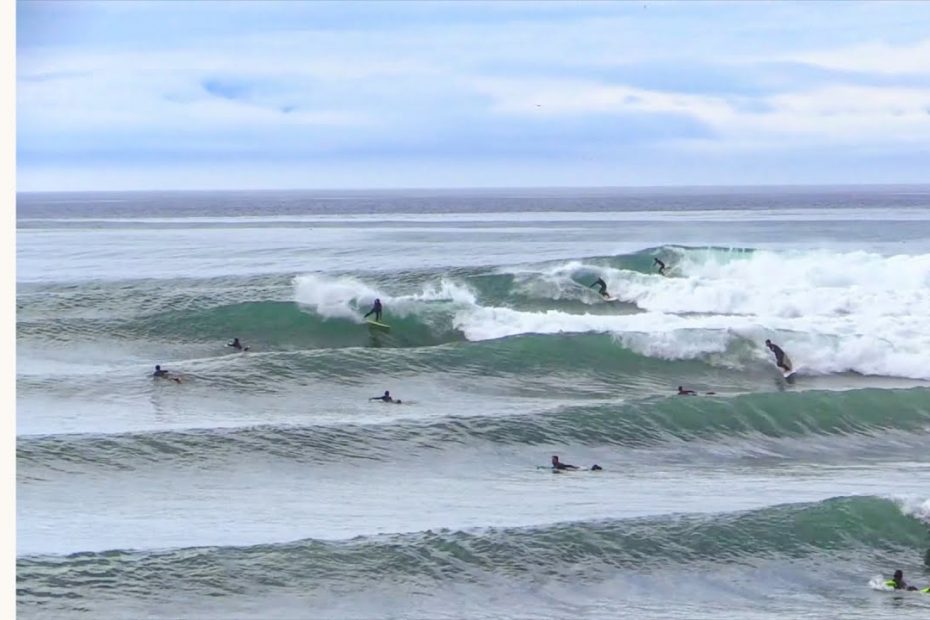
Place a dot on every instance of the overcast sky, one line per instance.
(214, 95)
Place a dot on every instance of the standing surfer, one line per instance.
(376, 310)
(661, 265)
(781, 360)
(603, 285)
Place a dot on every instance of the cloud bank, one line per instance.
(114, 95)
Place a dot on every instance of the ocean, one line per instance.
(266, 484)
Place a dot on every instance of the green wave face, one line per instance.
(838, 527)
(753, 420)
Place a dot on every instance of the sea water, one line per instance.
(266, 484)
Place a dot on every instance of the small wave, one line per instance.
(831, 528)
(752, 418)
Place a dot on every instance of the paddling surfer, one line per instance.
(161, 373)
(386, 398)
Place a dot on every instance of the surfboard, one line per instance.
(610, 299)
(377, 325)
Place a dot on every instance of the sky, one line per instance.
(289, 95)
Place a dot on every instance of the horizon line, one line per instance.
(485, 188)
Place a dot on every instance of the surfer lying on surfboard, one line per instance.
(386, 397)
(781, 360)
(683, 392)
(164, 374)
(376, 310)
(237, 345)
(897, 582)
(599, 282)
(558, 465)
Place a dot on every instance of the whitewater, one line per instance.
(267, 484)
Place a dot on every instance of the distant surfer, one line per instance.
(661, 265)
(683, 392)
(603, 286)
(386, 397)
(557, 464)
(781, 360)
(376, 310)
(237, 345)
(897, 582)
(161, 373)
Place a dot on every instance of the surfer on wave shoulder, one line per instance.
(376, 310)
(661, 265)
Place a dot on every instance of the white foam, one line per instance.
(442, 290)
(877, 582)
(891, 346)
(919, 508)
(342, 297)
(332, 297)
(793, 284)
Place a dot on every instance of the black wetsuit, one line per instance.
(160, 374)
(599, 282)
(563, 466)
(661, 266)
(376, 310)
(779, 354)
(385, 398)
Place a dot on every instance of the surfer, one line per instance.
(603, 285)
(237, 345)
(661, 265)
(376, 310)
(557, 464)
(160, 373)
(781, 360)
(897, 582)
(386, 397)
(683, 392)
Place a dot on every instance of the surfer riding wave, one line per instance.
(781, 360)
(603, 287)
(376, 310)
